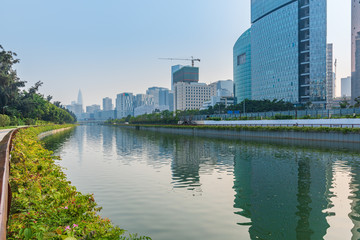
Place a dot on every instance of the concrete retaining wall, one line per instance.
(48, 133)
(291, 135)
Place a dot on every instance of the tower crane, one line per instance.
(192, 59)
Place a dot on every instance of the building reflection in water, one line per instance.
(283, 192)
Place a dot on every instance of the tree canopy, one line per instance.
(20, 104)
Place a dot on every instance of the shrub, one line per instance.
(279, 116)
(4, 120)
(45, 205)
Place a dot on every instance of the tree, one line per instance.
(344, 103)
(10, 84)
(357, 102)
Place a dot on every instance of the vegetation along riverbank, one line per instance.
(45, 205)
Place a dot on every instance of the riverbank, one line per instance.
(45, 205)
(347, 135)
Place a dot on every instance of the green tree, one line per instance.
(344, 103)
(357, 102)
(10, 83)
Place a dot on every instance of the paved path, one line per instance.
(3, 133)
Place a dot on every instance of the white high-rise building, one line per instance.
(124, 105)
(93, 108)
(192, 95)
(107, 104)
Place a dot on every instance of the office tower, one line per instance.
(174, 69)
(288, 51)
(144, 99)
(161, 96)
(242, 66)
(80, 98)
(124, 105)
(93, 108)
(79, 103)
(355, 49)
(329, 75)
(186, 74)
(224, 88)
(346, 87)
(192, 95)
(107, 104)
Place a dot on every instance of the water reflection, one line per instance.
(277, 191)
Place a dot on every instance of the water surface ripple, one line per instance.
(184, 187)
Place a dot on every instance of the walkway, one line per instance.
(3, 133)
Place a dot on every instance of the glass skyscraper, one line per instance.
(288, 50)
(242, 66)
(355, 49)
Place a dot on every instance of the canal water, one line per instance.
(173, 187)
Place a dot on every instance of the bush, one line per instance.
(44, 204)
(279, 116)
(4, 120)
(214, 118)
(29, 121)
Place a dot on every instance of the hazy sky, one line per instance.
(113, 46)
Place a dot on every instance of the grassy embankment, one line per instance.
(45, 205)
(251, 128)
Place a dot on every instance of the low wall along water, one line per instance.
(259, 134)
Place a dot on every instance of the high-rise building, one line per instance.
(355, 49)
(144, 99)
(346, 87)
(162, 97)
(224, 88)
(107, 104)
(288, 51)
(80, 98)
(93, 108)
(329, 75)
(186, 74)
(242, 66)
(192, 95)
(174, 69)
(124, 105)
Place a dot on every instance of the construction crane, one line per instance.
(192, 59)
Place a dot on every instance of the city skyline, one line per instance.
(86, 44)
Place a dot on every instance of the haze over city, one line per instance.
(104, 48)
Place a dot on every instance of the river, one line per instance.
(173, 187)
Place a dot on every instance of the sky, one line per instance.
(113, 46)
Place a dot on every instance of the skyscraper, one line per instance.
(355, 49)
(288, 51)
(174, 69)
(124, 105)
(107, 104)
(80, 98)
(242, 66)
(329, 75)
(346, 87)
